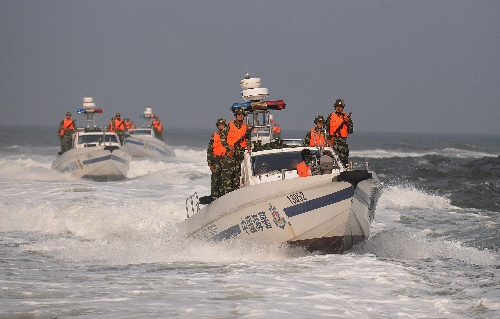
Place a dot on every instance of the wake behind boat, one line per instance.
(96, 154)
(329, 211)
(143, 142)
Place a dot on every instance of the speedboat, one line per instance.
(329, 211)
(142, 142)
(96, 154)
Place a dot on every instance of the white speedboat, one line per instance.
(329, 211)
(142, 142)
(96, 154)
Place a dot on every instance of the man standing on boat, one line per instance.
(317, 135)
(158, 128)
(215, 158)
(234, 139)
(119, 127)
(339, 125)
(66, 129)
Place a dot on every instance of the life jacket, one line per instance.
(157, 125)
(111, 129)
(303, 169)
(119, 125)
(317, 138)
(236, 133)
(132, 126)
(276, 129)
(127, 125)
(219, 150)
(67, 126)
(335, 121)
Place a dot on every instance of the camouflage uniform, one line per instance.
(66, 138)
(231, 167)
(215, 162)
(340, 145)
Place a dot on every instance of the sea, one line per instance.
(76, 248)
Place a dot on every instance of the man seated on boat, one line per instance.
(303, 168)
(158, 128)
(215, 158)
(317, 135)
(66, 129)
(234, 139)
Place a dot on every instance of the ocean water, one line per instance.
(72, 248)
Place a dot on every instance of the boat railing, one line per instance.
(192, 204)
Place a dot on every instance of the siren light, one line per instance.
(263, 105)
(81, 111)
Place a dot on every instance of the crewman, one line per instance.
(111, 125)
(127, 124)
(119, 127)
(158, 128)
(339, 125)
(215, 158)
(234, 139)
(66, 129)
(317, 135)
(303, 168)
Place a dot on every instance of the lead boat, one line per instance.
(142, 142)
(329, 211)
(96, 154)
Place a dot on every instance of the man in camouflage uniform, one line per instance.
(231, 167)
(66, 129)
(317, 135)
(339, 126)
(215, 159)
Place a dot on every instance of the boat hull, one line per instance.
(96, 163)
(147, 146)
(317, 212)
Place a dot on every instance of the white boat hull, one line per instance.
(95, 163)
(147, 146)
(317, 212)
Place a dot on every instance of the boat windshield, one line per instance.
(86, 139)
(275, 162)
(140, 132)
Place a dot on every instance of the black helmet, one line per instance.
(117, 114)
(339, 102)
(220, 121)
(68, 114)
(238, 111)
(319, 118)
(305, 153)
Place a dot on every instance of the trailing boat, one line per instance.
(144, 142)
(329, 211)
(96, 154)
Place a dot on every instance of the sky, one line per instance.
(400, 66)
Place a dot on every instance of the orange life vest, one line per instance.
(317, 138)
(235, 133)
(67, 126)
(111, 129)
(119, 125)
(276, 129)
(157, 125)
(303, 169)
(219, 149)
(335, 121)
(127, 125)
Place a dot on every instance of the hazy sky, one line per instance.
(416, 66)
